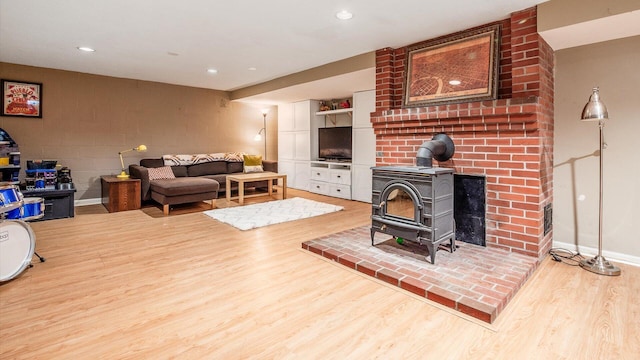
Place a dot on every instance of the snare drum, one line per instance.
(17, 246)
(10, 198)
(31, 209)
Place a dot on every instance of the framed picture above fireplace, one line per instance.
(461, 67)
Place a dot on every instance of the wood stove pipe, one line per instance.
(440, 147)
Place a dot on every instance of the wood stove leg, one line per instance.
(373, 233)
(432, 251)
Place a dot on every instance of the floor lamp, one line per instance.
(263, 131)
(596, 110)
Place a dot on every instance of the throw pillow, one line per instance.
(253, 163)
(163, 172)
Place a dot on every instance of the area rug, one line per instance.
(271, 212)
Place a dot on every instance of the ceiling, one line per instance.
(247, 41)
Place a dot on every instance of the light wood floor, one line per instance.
(135, 285)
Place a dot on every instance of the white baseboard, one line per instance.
(609, 255)
(85, 202)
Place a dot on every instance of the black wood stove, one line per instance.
(416, 202)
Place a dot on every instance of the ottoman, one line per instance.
(183, 190)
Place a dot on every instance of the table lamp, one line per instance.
(123, 174)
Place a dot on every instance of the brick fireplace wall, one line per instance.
(508, 140)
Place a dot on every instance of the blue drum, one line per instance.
(10, 198)
(31, 209)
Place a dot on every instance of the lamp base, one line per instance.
(600, 265)
(123, 175)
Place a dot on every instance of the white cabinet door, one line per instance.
(364, 146)
(286, 146)
(361, 183)
(302, 115)
(301, 143)
(301, 177)
(364, 103)
(285, 117)
(287, 167)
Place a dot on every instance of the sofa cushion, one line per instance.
(208, 168)
(184, 186)
(180, 170)
(151, 163)
(163, 172)
(234, 167)
(252, 163)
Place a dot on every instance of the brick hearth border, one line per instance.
(475, 280)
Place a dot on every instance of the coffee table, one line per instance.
(241, 179)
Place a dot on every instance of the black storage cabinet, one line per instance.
(58, 204)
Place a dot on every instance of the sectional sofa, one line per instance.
(179, 179)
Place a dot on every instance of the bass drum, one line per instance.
(17, 246)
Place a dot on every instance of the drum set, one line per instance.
(17, 240)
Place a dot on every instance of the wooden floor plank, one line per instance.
(134, 284)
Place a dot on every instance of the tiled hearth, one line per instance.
(475, 280)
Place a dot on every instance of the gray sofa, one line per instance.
(192, 183)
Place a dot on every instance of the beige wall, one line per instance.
(558, 13)
(87, 119)
(613, 67)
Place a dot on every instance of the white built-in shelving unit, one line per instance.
(298, 125)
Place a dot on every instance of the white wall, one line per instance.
(613, 66)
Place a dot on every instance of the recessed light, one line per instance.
(344, 15)
(85, 48)
(252, 69)
(212, 71)
(455, 82)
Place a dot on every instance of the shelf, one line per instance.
(335, 112)
(15, 167)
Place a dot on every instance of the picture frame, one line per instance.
(458, 68)
(21, 98)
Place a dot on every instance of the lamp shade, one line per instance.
(595, 108)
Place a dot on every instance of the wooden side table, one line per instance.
(120, 194)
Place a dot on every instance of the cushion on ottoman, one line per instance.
(184, 186)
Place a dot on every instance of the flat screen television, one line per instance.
(334, 143)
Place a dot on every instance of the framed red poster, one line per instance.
(21, 99)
